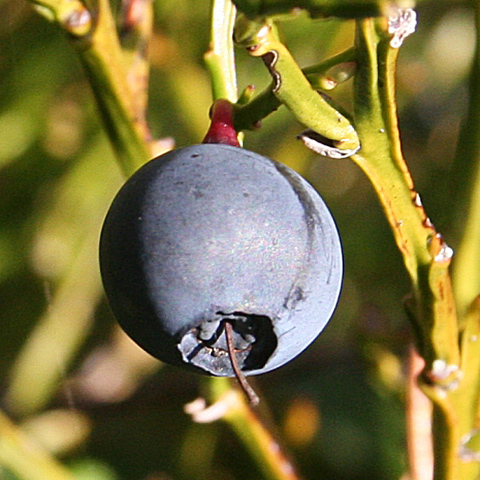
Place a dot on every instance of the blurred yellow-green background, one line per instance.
(76, 383)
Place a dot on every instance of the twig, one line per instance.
(135, 33)
(247, 389)
(419, 423)
(263, 446)
(466, 175)
(426, 256)
(220, 58)
(264, 103)
(94, 36)
(228, 404)
(105, 67)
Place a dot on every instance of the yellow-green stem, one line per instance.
(381, 159)
(24, 458)
(96, 41)
(251, 428)
(240, 416)
(426, 256)
(105, 67)
(466, 274)
(263, 446)
(220, 58)
(136, 31)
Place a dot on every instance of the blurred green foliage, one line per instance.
(57, 177)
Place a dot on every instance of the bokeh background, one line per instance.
(70, 377)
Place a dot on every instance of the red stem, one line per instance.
(221, 129)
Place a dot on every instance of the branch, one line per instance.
(220, 58)
(227, 403)
(248, 115)
(35, 376)
(466, 271)
(135, 32)
(94, 36)
(230, 406)
(426, 256)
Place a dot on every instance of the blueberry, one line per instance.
(210, 235)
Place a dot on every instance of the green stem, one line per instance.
(265, 103)
(466, 274)
(38, 368)
(220, 58)
(263, 446)
(105, 67)
(292, 87)
(100, 52)
(250, 427)
(240, 416)
(466, 398)
(136, 31)
(252, 113)
(24, 458)
(426, 256)
(35, 376)
(33, 379)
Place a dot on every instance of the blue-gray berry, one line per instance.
(210, 234)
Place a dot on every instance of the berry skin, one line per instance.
(210, 234)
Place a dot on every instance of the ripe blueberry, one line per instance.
(210, 235)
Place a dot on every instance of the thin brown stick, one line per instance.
(419, 419)
(253, 398)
